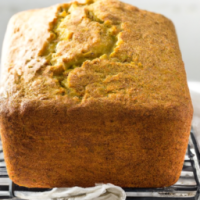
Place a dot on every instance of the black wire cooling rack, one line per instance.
(187, 188)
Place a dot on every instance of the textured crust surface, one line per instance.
(93, 92)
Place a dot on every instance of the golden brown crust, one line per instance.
(118, 113)
(129, 148)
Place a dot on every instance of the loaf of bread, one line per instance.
(93, 92)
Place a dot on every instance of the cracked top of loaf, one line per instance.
(94, 50)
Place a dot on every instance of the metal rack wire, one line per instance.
(187, 188)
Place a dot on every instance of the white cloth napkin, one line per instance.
(100, 192)
(195, 94)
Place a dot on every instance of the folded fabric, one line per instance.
(100, 192)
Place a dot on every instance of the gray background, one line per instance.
(184, 13)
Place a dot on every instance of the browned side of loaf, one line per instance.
(47, 145)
